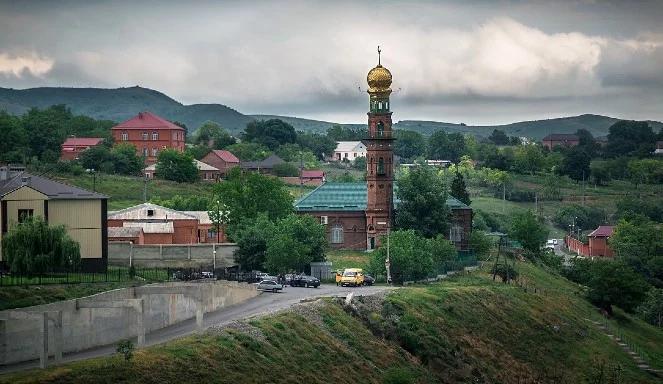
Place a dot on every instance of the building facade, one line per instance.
(560, 140)
(150, 134)
(81, 212)
(357, 215)
(222, 160)
(73, 146)
(206, 172)
(349, 151)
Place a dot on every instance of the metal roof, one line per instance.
(602, 231)
(147, 120)
(152, 227)
(124, 231)
(53, 189)
(347, 197)
(226, 156)
(141, 212)
(350, 146)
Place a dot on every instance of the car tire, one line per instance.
(275, 290)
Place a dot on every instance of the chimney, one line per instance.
(25, 180)
(4, 173)
(140, 115)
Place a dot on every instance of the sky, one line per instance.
(472, 61)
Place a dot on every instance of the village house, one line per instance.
(597, 245)
(309, 178)
(73, 146)
(223, 160)
(659, 148)
(265, 166)
(206, 172)
(150, 134)
(349, 151)
(560, 139)
(81, 212)
(153, 224)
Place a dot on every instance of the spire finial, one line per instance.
(379, 51)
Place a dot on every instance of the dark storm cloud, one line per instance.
(473, 61)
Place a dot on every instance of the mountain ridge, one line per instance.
(120, 104)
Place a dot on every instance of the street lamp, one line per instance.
(93, 172)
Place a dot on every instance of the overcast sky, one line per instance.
(478, 62)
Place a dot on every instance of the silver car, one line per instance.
(269, 285)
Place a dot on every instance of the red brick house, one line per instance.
(73, 146)
(222, 160)
(150, 134)
(153, 224)
(598, 243)
(560, 139)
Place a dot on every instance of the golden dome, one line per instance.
(379, 79)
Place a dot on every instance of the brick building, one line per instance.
(222, 160)
(206, 172)
(357, 215)
(150, 134)
(73, 146)
(597, 245)
(560, 139)
(153, 224)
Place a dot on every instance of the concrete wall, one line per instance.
(88, 328)
(173, 256)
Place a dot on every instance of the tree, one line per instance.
(630, 138)
(249, 151)
(98, 157)
(638, 242)
(252, 243)
(295, 242)
(409, 144)
(126, 161)
(270, 133)
(498, 137)
(410, 257)
(286, 170)
(344, 133)
(586, 142)
(46, 130)
(175, 166)
(493, 157)
(249, 194)
(184, 203)
(423, 202)
(576, 164)
(600, 172)
(443, 146)
(197, 151)
(650, 207)
(13, 139)
(645, 171)
(528, 230)
(458, 189)
(207, 132)
(652, 308)
(614, 283)
(320, 145)
(480, 243)
(528, 158)
(35, 247)
(584, 217)
(359, 163)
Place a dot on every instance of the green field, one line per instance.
(467, 329)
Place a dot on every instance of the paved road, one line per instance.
(264, 303)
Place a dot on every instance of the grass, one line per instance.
(348, 259)
(467, 329)
(126, 191)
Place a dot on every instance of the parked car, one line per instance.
(304, 281)
(369, 280)
(550, 244)
(269, 285)
(353, 277)
(207, 275)
(555, 241)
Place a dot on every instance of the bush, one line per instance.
(126, 348)
(588, 217)
(286, 170)
(614, 283)
(520, 195)
(506, 272)
(35, 247)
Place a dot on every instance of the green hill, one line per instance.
(121, 104)
(467, 329)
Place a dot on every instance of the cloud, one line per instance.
(20, 65)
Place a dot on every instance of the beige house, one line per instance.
(83, 213)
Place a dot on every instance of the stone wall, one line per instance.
(171, 256)
(85, 328)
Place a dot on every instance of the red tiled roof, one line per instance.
(603, 231)
(145, 120)
(226, 156)
(313, 174)
(82, 141)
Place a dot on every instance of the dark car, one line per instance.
(304, 281)
(369, 280)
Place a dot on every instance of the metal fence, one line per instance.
(112, 274)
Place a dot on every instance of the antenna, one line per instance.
(379, 51)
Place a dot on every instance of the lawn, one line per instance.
(348, 259)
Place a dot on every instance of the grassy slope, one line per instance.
(466, 329)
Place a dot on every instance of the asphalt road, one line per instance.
(264, 303)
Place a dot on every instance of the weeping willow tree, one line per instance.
(34, 247)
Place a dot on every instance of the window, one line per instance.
(145, 135)
(125, 136)
(346, 155)
(24, 214)
(337, 234)
(155, 135)
(456, 233)
(381, 166)
(150, 212)
(323, 220)
(154, 152)
(380, 129)
(144, 151)
(355, 154)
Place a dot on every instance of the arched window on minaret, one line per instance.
(380, 129)
(381, 166)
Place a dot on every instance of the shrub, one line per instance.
(286, 170)
(506, 272)
(126, 348)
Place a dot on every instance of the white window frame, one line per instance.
(324, 220)
(155, 136)
(336, 235)
(125, 136)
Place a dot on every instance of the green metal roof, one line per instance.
(347, 197)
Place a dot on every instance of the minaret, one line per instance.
(379, 155)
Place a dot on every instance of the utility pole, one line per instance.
(301, 171)
(583, 187)
(503, 196)
(145, 189)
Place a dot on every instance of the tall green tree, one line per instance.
(252, 243)
(250, 194)
(13, 139)
(35, 247)
(443, 146)
(423, 202)
(295, 242)
(498, 137)
(528, 230)
(638, 242)
(320, 145)
(459, 190)
(249, 151)
(528, 159)
(630, 138)
(614, 283)
(345, 133)
(576, 164)
(175, 166)
(270, 133)
(409, 144)
(410, 257)
(126, 161)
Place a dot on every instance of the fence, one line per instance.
(112, 275)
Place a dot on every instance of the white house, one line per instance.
(349, 150)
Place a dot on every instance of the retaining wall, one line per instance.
(92, 327)
(171, 256)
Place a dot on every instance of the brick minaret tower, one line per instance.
(379, 155)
